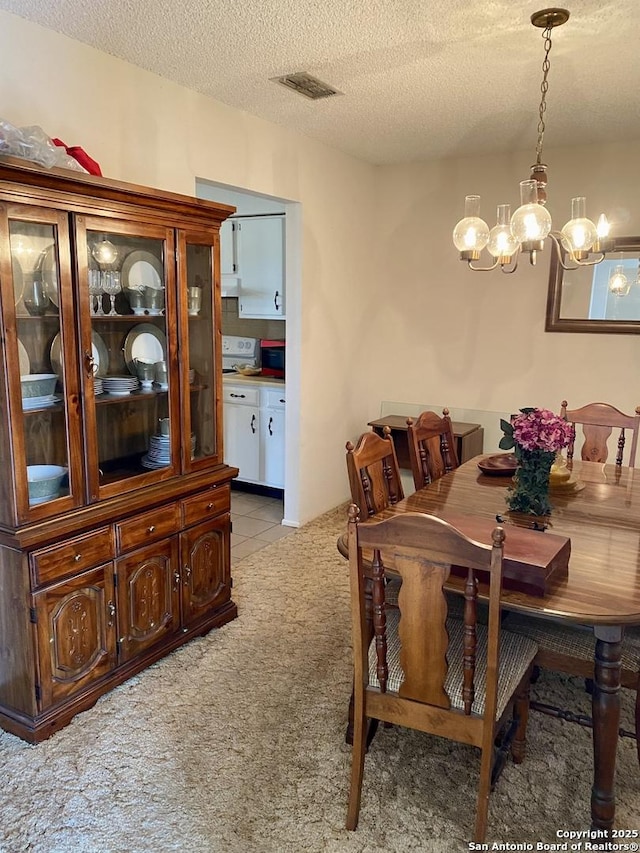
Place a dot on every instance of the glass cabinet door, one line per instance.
(199, 299)
(126, 282)
(44, 387)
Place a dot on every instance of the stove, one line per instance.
(238, 350)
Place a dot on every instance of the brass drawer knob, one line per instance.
(77, 558)
(151, 528)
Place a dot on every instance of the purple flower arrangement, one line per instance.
(536, 429)
(535, 435)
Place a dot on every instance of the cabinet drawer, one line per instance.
(273, 398)
(74, 555)
(205, 505)
(147, 527)
(241, 394)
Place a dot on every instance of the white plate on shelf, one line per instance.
(49, 271)
(18, 279)
(146, 342)
(98, 349)
(23, 359)
(142, 269)
(40, 402)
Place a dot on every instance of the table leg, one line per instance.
(606, 722)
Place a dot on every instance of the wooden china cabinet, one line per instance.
(111, 377)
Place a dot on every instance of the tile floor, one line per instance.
(255, 523)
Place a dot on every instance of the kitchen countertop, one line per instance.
(239, 379)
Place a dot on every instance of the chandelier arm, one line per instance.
(482, 269)
(556, 236)
(509, 270)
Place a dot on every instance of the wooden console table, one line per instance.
(469, 438)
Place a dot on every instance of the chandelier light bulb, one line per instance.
(579, 234)
(603, 243)
(471, 234)
(619, 284)
(531, 222)
(502, 244)
(603, 227)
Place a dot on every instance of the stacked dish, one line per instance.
(42, 402)
(97, 386)
(159, 453)
(119, 386)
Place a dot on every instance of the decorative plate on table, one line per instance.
(142, 269)
(498, 465)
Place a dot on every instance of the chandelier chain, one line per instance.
(544, 88)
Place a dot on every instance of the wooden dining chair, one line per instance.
(598, 420)
(570, 649)
(449, 677)
(432, 448)
(374, 474)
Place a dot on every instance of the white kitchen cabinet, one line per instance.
(260, 243)
(229, 258)
(254, 438)
(241, 417)
(272, 436)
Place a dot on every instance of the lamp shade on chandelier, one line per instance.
(580, 241)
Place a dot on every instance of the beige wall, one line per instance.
(385, 310)
(478, 339)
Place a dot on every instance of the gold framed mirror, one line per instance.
(600, 298)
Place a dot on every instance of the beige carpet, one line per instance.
(235, 743)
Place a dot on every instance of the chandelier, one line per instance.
(580, 240)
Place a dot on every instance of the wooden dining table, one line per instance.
(601, 588)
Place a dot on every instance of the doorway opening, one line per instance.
(261, 284)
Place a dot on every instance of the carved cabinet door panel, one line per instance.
(148, 597)
(76, 629)
(206, 576)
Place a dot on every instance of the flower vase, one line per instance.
(529, 493)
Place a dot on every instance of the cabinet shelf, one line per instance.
(111, 399)
(129, 318)
(57, 407)
(36, 319)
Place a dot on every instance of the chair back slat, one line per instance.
(598, 420)
(374, 474)
(432, 449)
(424, 642)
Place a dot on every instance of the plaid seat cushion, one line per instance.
(516, 654)
(576, 641)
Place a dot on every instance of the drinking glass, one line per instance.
(95, 291)
(111, 286)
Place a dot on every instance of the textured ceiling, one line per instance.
(419, 79)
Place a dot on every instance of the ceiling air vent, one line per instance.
(306, 85)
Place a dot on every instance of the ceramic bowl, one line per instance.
(44, 482)
(247, 370)
(38, 384)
